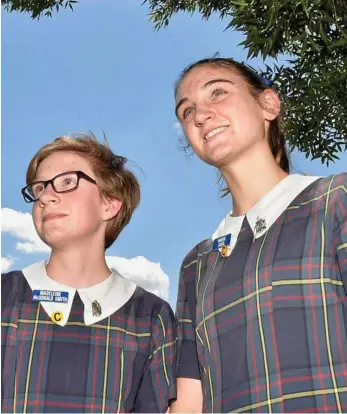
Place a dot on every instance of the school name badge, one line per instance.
(222, 244)
(50, 296)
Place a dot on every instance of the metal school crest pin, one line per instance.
(96, 308)
(259, 228)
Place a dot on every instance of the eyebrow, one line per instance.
(206, 85)
(40, 180)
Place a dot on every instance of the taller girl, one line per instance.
(262, 304)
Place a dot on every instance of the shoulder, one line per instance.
(12, 280)
(325, 189)
(148, 303)
(329, 196)
(190, 261)
(333, 189)
(13, 286)
(332, 183)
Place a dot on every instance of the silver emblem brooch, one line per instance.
(96, 308)
(259, 228)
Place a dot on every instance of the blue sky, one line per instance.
(104, 68)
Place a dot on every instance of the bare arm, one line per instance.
(189, 396)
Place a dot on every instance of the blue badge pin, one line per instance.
(222, 243)
(50, 296)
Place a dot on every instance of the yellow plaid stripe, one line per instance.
(205, 331)
(104, 394)
(307, 282)
(121, 380)
(261, 329)
(30, 360)
(189, 264)
(286, 397)
(185, 321)
(266, 289)
(199, 277)
(14, 325)
(15, 394)
(342, 246)
(96, 325)
(325, 310)
(163, 349)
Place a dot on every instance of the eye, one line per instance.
(69, 181)
(218, 92)
(187, 112)
(36, 189)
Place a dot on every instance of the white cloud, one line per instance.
(20, 226)
(144, 273)
(6, 263)
(141, 271)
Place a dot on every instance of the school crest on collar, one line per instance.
(260, 227)
(96, 308)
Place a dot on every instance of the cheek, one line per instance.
(36, 215)
(192, 134)
(85, 208)
(236, 113)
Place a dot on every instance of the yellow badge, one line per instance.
(57, 316)
(225, 251)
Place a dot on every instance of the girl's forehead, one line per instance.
(64, 157)
(62, 161)
(199, 75)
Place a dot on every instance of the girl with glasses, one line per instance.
(78, 336)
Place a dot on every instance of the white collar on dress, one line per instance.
(107, 296)
(266, 211)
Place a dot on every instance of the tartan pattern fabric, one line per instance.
(123, 363)
(265, 329)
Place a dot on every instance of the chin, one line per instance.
(219, 156)
(219, 160)
(54, 240)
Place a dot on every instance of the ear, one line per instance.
(270, 104)
(111, 208)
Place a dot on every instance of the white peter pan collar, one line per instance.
(111, 294)
(269, 208)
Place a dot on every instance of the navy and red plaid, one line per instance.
(123, 363)
(265, 329)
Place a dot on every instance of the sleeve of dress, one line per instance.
(341, 228)
(187, 358)
(157, 389)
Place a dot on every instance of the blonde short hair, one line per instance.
(113, 178)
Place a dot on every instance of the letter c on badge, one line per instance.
(57, 316)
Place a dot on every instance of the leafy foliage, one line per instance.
(313, 85)
(37, 8)
(314, 96)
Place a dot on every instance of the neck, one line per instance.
(78, 267)
(249, 180)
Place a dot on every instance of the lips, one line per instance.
(216, 131)
(53, 216)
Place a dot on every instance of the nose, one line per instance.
(48, 196)
(202, 114)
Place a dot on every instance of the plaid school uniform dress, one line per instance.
(109, 348)
(265, 328)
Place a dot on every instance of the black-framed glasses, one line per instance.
(61, 183)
